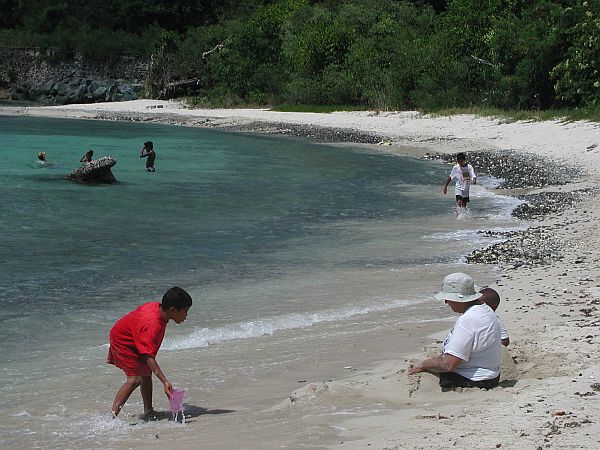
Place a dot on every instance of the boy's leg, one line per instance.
(124, 392)
(146, 390)
(459, 202)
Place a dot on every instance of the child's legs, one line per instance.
(459, 202)
(146, 390)
(124, 392)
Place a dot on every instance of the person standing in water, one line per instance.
(87, 158)
(465, 176)
(149, 153)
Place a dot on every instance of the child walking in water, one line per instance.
(134, 343)
(464, 175)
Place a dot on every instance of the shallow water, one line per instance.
(284, 245)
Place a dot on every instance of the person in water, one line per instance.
(134, 342)
(42, 161)
(465, 176)
(148, 152)
(87, 158)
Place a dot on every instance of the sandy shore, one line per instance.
(550, 386)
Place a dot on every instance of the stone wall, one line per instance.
(35, 75)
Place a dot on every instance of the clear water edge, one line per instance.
(284, 244)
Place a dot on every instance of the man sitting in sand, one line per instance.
(471, 352)
(492, 299)
(464, 175)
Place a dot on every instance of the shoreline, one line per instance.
(549, 302)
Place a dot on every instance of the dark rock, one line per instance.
(541, 204)
(97, 171)
(518, 169)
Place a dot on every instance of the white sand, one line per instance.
(552, 312)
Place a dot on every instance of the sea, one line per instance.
(297, 254)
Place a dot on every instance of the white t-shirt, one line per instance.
(464, 177)
(475, 339)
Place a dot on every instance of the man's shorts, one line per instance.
(133, 367)
(449, 380)
(464, 199)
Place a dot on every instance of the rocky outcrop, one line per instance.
(76, 90)
(97, 171)
(29, 74)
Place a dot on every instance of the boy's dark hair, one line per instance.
(490, 297)
(461, 156)
(177, 298)
(149, 145)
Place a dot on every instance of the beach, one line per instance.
(548, 278)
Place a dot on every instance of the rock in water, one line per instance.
(97, 171)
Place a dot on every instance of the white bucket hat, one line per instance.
(458, 287)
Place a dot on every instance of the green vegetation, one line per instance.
(505, 115)
(515, 58)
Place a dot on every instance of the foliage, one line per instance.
(382, 54)
(577, 74)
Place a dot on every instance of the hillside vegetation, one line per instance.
(385, 54)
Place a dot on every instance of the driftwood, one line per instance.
(180, 88)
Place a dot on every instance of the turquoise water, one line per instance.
(267, 233)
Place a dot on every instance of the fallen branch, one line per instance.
(483, 61)
(217, 47)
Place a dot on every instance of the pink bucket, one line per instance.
(177, 400)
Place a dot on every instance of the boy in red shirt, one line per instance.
(135, 340)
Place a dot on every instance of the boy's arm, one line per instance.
(142, 152)
(472, 174)
(161, 376)
(446, 185)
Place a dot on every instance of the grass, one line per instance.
(567, 115)
(319, 108)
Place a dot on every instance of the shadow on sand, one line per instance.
(190, 411)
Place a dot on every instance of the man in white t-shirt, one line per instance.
(471, 351)
(464, 174)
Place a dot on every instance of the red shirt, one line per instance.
(135, 336)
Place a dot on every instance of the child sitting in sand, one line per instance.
(134, 343)
(464, 175)
(492, 299)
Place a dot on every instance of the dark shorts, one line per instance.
(451, 380)
(464, 199)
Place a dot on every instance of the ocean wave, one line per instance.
(203, 337)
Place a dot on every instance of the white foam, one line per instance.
(202, 337)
